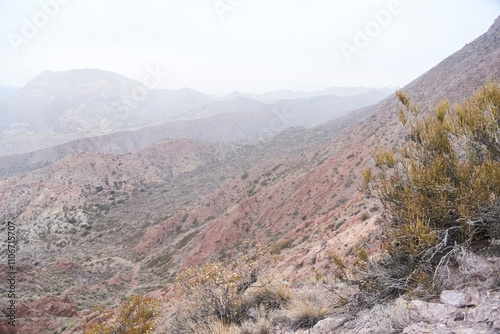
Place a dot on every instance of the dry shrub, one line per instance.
(260, 324)
(211, 326)
(271, 296)
(216, 290)
(340, 264)
(136, 315)
(442, 190)
(305, 313)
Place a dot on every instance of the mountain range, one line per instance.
(122, 214)
(58, 107)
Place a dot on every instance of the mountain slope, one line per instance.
(311, 199)
(296, 192)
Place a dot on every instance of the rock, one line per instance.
(460, 328)
(48, 306)
(61, 243)
(6, 328)
(476, 268)
(430, 312)
(421, 327)
(398, 313)
(461, 298)
(327, 325)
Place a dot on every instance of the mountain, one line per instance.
(94, 227)
(287, 94)
(91, 101)
(234, 105)
(56, 107)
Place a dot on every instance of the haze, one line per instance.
(252, 46)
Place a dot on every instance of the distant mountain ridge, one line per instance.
(58, 107)
(253, 120)
(287, 94)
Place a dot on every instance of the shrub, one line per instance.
(159, 260)
(304, 313)
(261, 324)
(135, 316)
(279, 246)
(212, 326)
(215, 290)
(272, 296)
(441, 189)
(340, 264)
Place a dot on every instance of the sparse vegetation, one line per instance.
(340, 264)
(261, 324)
(184, 241)
(159, 260)
(364, 216)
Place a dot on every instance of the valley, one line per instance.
(114, 204)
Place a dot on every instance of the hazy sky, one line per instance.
(217, 46)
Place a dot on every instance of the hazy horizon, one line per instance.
(220, 46)
(14, 88)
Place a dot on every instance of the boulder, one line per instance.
(476, 268)
(469, 296)
(327, 325)
(421, 311)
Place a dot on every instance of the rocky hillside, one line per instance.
(96, 227)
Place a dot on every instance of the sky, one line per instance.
(253, 46)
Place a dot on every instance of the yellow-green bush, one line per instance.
(136, 315)
(215, 290)
(442, 187)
